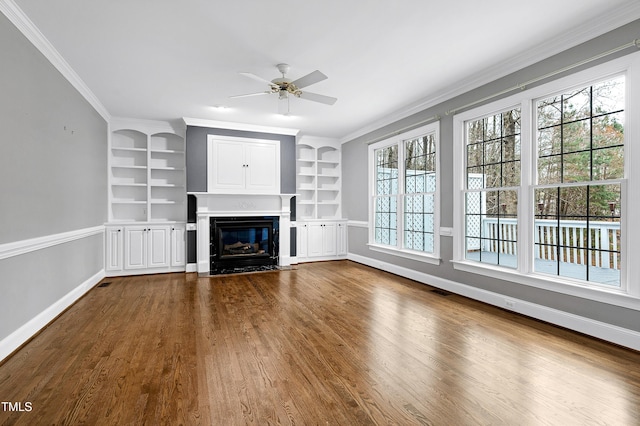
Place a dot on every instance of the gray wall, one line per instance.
(53, 179)
(355, 179)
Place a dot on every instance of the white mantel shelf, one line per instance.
(250, 204)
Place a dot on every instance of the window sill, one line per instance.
(433, 259)
(556, 284)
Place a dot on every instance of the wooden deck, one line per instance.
(606, 276)
(329, 343)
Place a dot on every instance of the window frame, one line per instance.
(398, 249)
(628, 294)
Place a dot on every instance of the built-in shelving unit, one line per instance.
(318, 180)
(147, 173)
(321, 232)
(146, 232)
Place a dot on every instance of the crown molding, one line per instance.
(22, 22)
(232, 125)
(148, 127)
(578, 35)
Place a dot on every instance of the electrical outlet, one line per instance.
(509, 304)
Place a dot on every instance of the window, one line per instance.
(386, 210)
(542, 180)
(580, 167)
(404, 194)
(492, 181)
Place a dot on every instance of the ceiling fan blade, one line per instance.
(260, 79)
(328, 100)
(309, 79)
(250, 94)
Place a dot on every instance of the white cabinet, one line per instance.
(302, 240)
(241, 165)
(145, 248)
(114, 246)
(321, 240)
(341, 239)
(178, 245)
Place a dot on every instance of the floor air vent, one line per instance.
(440, 292)
(105, 284)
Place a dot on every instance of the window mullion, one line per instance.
(400, 196)
(526, 204)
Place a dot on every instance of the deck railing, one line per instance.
(569, 241)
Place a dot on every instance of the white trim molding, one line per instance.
(230, 125)
(18, 248)
(22, 335)
(22, 22)
(601, 330)
(358, 223)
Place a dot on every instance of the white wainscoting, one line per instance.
(20, 336)
(601, 330)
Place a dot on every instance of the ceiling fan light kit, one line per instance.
(284, 86)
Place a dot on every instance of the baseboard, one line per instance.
(611, 333)
(19, 337)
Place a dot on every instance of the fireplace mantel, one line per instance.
(238, 205)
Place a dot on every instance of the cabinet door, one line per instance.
(263, 167)
(114, 249)
(342, 239)
(178, 245)
(315, 237)
(301, 240)
(135, 247)
(158, 247)
(227, 166)
(329, 247)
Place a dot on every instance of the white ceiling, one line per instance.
(167, 59)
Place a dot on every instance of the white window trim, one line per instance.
(433, 258)
(628, 295)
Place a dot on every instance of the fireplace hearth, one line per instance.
(243, 244)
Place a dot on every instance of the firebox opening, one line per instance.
(237, 243)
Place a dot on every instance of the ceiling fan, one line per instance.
(285, 87)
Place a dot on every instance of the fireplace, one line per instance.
(242, 207)
(239, 244)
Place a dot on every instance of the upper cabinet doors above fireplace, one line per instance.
(241, 165)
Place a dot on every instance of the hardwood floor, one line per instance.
(333, 343)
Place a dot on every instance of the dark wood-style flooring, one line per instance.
(332, 343)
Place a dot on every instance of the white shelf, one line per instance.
(114, 149)
(318, 179)
(147, 174)
(167, 151)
